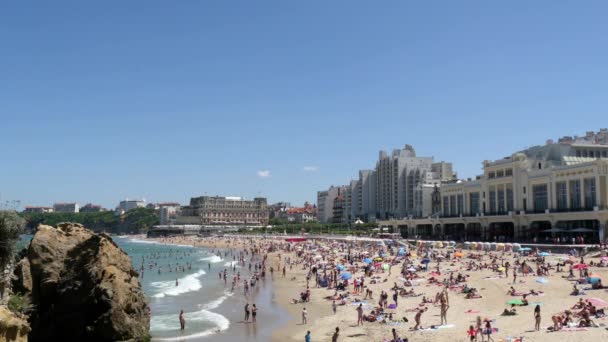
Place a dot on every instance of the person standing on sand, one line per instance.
(254, 312)
(360, 314)
(417, 318)
(444, 311)
(334, 306)
(537, 318)
(304, 316)
(182, 320)
(334, 338)
(395, 337)
(514, 275)
(307, 337)
(246, 312)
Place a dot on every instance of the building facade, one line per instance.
(401, 185)
(35, 209)
(543, 192)
(126, 205)
(168, 212)
(216, 210)
(66, 207)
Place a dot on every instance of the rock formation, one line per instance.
(12, 327)
(82, 286)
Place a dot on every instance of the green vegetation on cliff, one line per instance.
(136, 220)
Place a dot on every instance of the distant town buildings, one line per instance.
(34, 209)
(66, 207)
(217, 210)
(92, 208)
(401, 185)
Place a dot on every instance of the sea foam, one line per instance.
(186, 284)
(212, 259)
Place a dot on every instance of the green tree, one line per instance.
(11, 226)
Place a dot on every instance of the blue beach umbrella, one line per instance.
(425, 261)
(345, 276)
(544, 254)
(367, 260)
(340, 267)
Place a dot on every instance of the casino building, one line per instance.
(225, 211)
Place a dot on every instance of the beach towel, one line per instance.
(472, 311)
(573, 329)
(437, 327)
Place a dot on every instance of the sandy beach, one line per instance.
(477, 269)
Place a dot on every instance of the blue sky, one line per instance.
(102, 100)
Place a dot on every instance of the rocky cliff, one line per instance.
(82, 286)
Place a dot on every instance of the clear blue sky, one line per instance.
(102, 100)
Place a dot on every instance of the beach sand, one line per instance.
(322, 322)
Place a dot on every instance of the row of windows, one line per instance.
(569, 195)
(592, 153)
(500, 173)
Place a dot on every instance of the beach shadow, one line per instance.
(356, 335)
(530, 331)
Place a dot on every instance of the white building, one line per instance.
(325, 203)
(66, 207)
(127, 205)
(168, 212)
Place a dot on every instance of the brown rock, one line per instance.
(83, 286)
(12, 327)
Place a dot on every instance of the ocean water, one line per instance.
(211, 310)
(197, 289)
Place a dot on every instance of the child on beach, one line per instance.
(472, 332)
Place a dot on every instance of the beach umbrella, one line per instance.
(367, 260)
(604, 258)
(318, 257)
(340, 267)
(542, 280)
(386, 267)
(593, 280)
(597, 302)
(458, 254)
(525, 249)
(345, 276)
(544, 254)
(425, 261)
(580, 266)
(411, 269)
(515, 302)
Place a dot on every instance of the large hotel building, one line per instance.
(558, 189)
(231, 211)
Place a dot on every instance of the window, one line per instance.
(509, 191)
(539, 193)
(501, 199)
(561, 193)
(524, 190)
(446, 206)
(575, 194)
(500, 173)
(492, 194)
(460, 200)
(509, 172)
(474, 203)
(589, 184)
(491, 175)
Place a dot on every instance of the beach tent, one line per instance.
(508, 247)
(452, 243)
(480, 246)
(544, 254)
(500, 247)
(516, 247)
(458, 255)
(345, 275)
(493, 246)
(467, 245)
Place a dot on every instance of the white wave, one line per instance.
(171, 322)
(135, 240)
(214, 304)
(186, 284)
(212, 259)
(230, 263)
